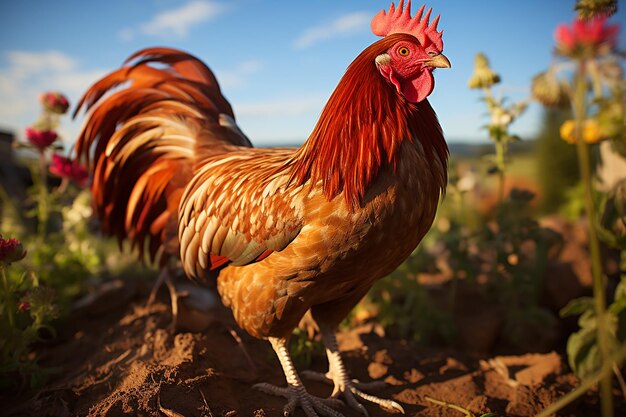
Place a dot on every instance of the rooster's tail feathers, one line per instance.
(146, 129)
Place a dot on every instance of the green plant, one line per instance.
(597, 99)
(516, 248)
(403, 307)
(62, 250)
(303, 348)
(582, 348)
(502, 115)
(26, 310)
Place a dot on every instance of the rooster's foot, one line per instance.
(343, 385)
(295, 392)
(165, 277)
(351, 390)
(298, 396)
(327, 378)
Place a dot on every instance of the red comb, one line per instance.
(400, 21)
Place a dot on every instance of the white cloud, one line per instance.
(238, 76)
(27, 74)
(176, 22)
(282, 106)
(34, 62)
(342, 26)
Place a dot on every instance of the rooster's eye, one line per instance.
(403, 51)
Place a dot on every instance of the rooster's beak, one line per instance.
(439, 61)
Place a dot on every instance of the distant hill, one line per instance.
(478, 149)
(457, 148)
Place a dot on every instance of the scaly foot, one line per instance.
(297, 396)
(352, 389)
(343, 385)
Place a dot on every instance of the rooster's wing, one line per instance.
(238, 209)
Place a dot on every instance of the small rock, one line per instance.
(377, 370)
(382, 356)
(539, 368)
(413, 376)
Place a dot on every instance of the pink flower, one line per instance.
(586, 38)
(40, 139)
(67, 168)
(11, 250)
(55, 102)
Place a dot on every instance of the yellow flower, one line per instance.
(591, 131)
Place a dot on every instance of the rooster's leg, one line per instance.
(165, 277)
(343, 385)
(295, 392)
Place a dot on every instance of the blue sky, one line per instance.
(277, 61)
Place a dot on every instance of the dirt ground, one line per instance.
(125, 361)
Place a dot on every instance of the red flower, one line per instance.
(11, 250)
(55, 102)
(67, 168)
(23, 306)
(40, 139)
(586, 37)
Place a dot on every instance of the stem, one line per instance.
(501, 148)
(63, 186)
(4, 196)
(8, 297)
(450, 406)
(42, 201)
(580, 113)
(501, 164)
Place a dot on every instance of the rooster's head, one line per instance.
(409, 63)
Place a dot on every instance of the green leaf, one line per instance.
(620, 290)
(617, 306)
(577, 306)
(583, 353)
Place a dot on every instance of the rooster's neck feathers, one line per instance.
(361, 129)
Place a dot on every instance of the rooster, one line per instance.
(290, 230)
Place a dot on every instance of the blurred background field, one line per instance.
(515, 299)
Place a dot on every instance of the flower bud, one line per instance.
(549, 91)
(54, 102)
(11, 250)
(588, 9)
(483, 76)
